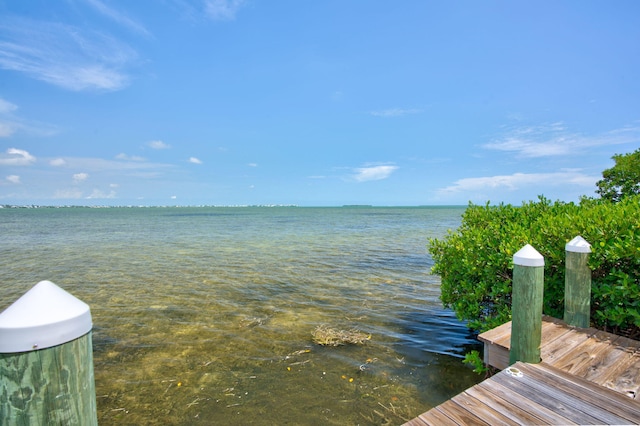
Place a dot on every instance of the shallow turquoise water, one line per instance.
(206, 314)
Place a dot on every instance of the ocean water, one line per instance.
(207, 315)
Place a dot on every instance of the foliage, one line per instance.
(475, 262)
(621, 180)
(474, 359)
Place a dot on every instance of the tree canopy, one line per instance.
(621, 180)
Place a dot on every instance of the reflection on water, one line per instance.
(207, 314)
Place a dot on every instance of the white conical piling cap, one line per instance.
(578, 245)
(528, 256)
(43, 317)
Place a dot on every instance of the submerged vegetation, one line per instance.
(327, 336)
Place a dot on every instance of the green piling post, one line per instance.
(46, 360)
(577, 283)
(526, 305)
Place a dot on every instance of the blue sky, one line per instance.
(314, 103)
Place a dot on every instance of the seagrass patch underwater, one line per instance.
(208, 314)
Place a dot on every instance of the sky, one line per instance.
(314, 103)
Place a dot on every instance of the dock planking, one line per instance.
(603, 358)
(538, 394)
(586, 376)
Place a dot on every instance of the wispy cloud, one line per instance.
(10, 123)
(15, 179)
(7, 107)
(364, 174)
(7, 124)
(195, 160)
(6, 129)
(518, 181)
(16, 157)
(126, 157)
(556, 140)
(99, 165)
(99, 194)
(222, 10)
(64, 55)
(80, 177)
(395, 112)
(118, 17)
(70, 194)
(158, 145)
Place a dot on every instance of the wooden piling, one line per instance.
(526, 305)
(577, 287)
(46, 360)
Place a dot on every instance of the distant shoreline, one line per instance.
(349, 206)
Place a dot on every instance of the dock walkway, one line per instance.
(586, 376)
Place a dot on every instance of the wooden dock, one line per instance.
(586, 377)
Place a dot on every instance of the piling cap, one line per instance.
(528, 256)
(578, 245)
(43, 317)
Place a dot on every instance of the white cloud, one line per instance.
(518, 181)
(252, 165)
(13, 179)
(395, 112)
(98, 194)
(64, 55)
(80, 177)
(16, 157)
(364, 174)
(7, 129)
(73, 194)
(222, 10)
(7, 107)
(57, 162)
(194, 160)
(158, 145)
(126, 157)
(554, 140)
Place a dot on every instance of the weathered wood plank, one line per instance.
(524, 407)
(607, 399)
(561, 346)
(421, 420)
(486, 412)
(483, 411)
(626, 377)
(601, 404)
(548, 396)
(516, 410)
(434, 418)
(581, 357)
(496, 356)
(607, 365)
(458, 414)
(553, 329)
(587, 377)
(500, 335)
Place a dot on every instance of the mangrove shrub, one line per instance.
(475, 261)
